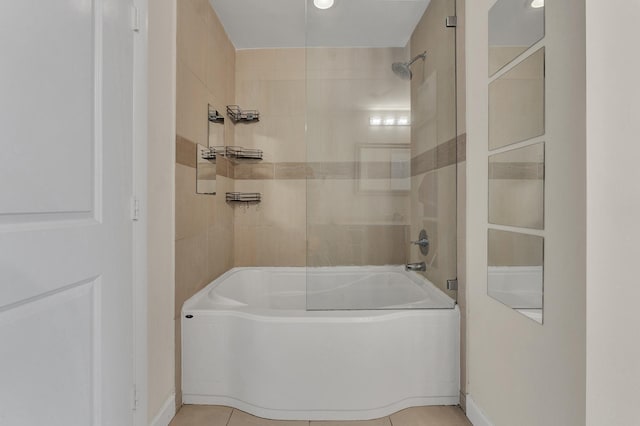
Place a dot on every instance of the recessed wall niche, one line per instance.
(515, 263)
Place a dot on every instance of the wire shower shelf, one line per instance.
(237, 114)
(243, 153)
(243, 197)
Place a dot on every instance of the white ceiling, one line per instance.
(256, 24)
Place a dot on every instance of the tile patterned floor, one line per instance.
(213, 415)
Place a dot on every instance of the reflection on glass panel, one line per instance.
(515, 271)
(516, 187)
(514, 26)
(357, 200)
(381, 161)
(516, 103)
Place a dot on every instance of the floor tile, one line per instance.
(240, 418)
(377, 422)
(202, 415)
(210, 415)
(439, 415)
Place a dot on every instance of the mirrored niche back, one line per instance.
(516, 160)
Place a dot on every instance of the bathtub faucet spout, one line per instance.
(420, 266)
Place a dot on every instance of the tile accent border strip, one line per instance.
(451, 152)
(519, 171)
(443, 155)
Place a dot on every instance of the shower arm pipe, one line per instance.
(422, 56)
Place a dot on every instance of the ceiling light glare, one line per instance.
(389, 121)
(323, 4)
(375, 121)
(403, 121)
(536, 4)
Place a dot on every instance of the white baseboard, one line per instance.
(475, 414)
(166, 413)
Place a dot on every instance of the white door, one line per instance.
(65, 227)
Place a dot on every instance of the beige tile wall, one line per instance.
(357, 244)
(343, 87)
(204, 223)
(347, 225)
(271, 233)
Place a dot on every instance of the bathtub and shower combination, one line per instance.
(336, 343)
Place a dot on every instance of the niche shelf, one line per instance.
(237, 114)
(243, 197)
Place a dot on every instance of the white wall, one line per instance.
(613, 212)
(520, 372)
(161, 164)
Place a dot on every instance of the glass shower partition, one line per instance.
(381, 161)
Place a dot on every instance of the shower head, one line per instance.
(403, 69)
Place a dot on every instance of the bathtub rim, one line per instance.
(286, 315)
(249, 311)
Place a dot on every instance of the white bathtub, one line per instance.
(248, 342)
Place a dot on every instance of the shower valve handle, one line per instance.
(422, 242)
